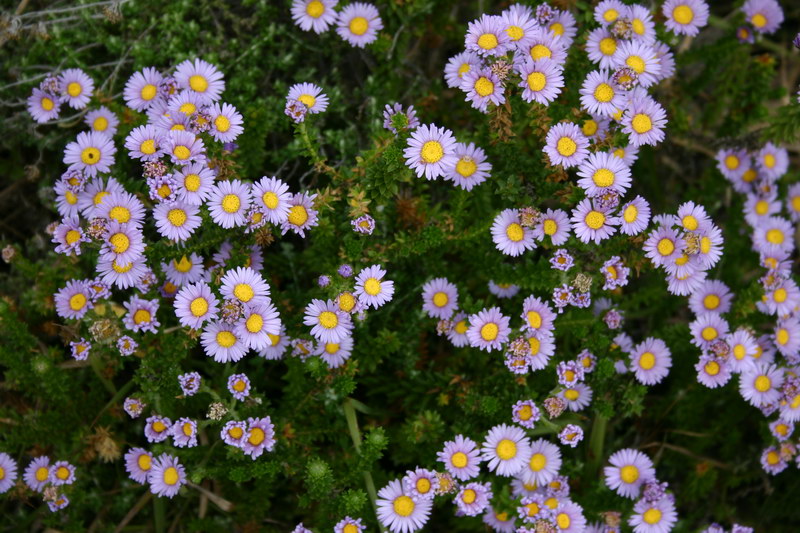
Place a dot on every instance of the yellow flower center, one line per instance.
(100, 124)
(539, 51)
(222, 123)
(775, 236)
(595, 219)
(566, 146)
(641, 123)
(403, 505)
(199, 306)
(460, 327)
(647, 360)
(636, 63)
(198, 83)
(506, 449)
(466, 167)
(181, 152)
(604, 93)
(226, 339)
(243, 292)
(571, 394)
(346, 302)
(690, 222)
(159, 426)
(72, 236)
(459, 459)
(77, 301)
(148, 147)
(563, 520)
(534, 345)
(236, 432)
(231, 203)
(119, 243)
(177, 217)
(359, 26)
(557, 28)
(440, 299)
(732, 162)
(759, 20)
(608, 46)
(42, 473)
(372, 287)
(629, 474)
(525, 412)
(315, 9)
(550, 227)
(90, 156)
(589, 128)
(469, 496)
(298, 215)
(652, 516)
(683, 14)
(489, 331)
(148, 92)
(762, 384)
(665, 246)
(423, 485)
(484, 86)
(780, 295)
(538, 462)
(610, 15)
(515, 32)
(514, 232)
(328, 319)
(536, 81)
(74, 89)
(432, 151)
(47, 104)
(603, 177)
(782, 336)
(171, 475)
(488, 41)
(254, 323)
(463, 69)
(712, 368)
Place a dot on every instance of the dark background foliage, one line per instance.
(405, 390)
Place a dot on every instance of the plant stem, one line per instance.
(355, 434)
(596, 442)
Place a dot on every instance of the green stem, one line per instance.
(97, 366)
(596, 442)
(160, 515)
(312, 152)
(355, 434)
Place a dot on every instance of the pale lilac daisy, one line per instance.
(187, 269)
(546, 45)
(398, 511)
(421, 484)
(310, 95)
(608, 11)
(102, 120)
(359, 24)
(663, 246)
(202, 78)
(156, 428)
(226, 122)
(461, 457)
(712, 371)
(772, 162)
(601, 46)
(653, 516)
(506, 449)
(329, 323)
(8, 472)
(487, 36)
(503, 290)
(90, 153)
(459, 65)
(644, 122)
(592, 224)
(603, 172)
(141, 89)
(473, 498)
(685, 17)
(570, 435)
(628, 471)
(220, 341)
(184, 433)
(74, 300)
(599, 94)
(302, 215)
(542, 80)
(562, 260)
(544, 463)
(431, 151)
(76, 87)
(335, 353)
(314, 15)
(69, 236)
(195, 304)
(650, 361)
(525, 413)
(509, 235)
(712, 297)
(371, 289)
(349, 525)
(488, 329)
(146, 143)
(184, 147)
(239, 386)
(177, 221)
(259, 323)
(566, 145)
(166, 476)
(555, 224)
(43, 106)
(273, 196)
(37, 473)
(280, 341)
(457, 334)
(141, 315)
(440, 298)
(766, 16)
(787, 337)
(228, 202)
(482, 87)
(260, 437)
(245, 285)
(519, 26)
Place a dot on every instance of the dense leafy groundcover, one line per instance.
(674, 363)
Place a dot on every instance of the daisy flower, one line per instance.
(74, 300)
(525, 413)
(67, 202)
(743, 349)
(43, 106)
(712, 371)
(642, 25)
(459, 65)
(273, 196)
(316, 15)
(440, 298)
(8, 472)
(349, 525)
(544, 463)
(190, 383)
(766, 16)
(499, 521)
(608, 11)
(537, 315)
(599, 95)
(488, 329)
(555, 224)
(546, 46)
(335, 353)
(228, 202)
(259, 322)
(398, 511)
(473, 498)
(184, 147)
(566, 145)
(226, 122)
(310, 95)
(641, 58)
(712, 297)
(707, 328)
(245, 285)
(503, 290)
(69, 236)
(329, 323)
(571, 435)
(506, 449)
(187, 269)
(773, 236)
(508, 234)
(519, 26)
(685, 17)
(134, 407)
(395, 118)
(542, 80)
(787, 337)
(122, 207)
(644, 122)
(102, 120)
(302, 215)
(569, 518)
(650, 361)
(458, 333)
(629, 469)
(653, 517)
(563, 26)
(359, 24)
(177, 221)
(772, 462)
(772, 162)
(421, 484)
(202, 78)
(483, 87)
(220, 341)
(487, 37)
(629, 154)
(592, 224)
(595, 128)
(371, 289)
(601, 173)
(232, 433)
(431, 152)
(76, 87)
(260, 437)
(601, 47)
(184, 433)
(37, 473)
(166, 476)
(145, 143)
(141, 89)
(156, 428)
(90, 153)
(195, 304)
(280, 341)
(663, 246)
(461, 458)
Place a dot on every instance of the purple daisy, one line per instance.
(712, 297)
(349, 525)
(76, 88)
(685, 17)
(759, 383)
(69, 236)
(359, 24)
(772, 162)
(280, 341)
(226, 122)
(309, 95)
(195, 304)
(663, 246)
(37, 473)
(773, 236)
(202, 78)
(228, 202)
(542, 80)
(146, 143)
(187, 269)
(314, 15)
(602, 172)
(608, 11)
(184, 147)
(766, 16)
(525, 413)
(220, 341)
(156, 428)
(712, 371)
(519, 25)
(335, 353)
(239, 386)
(628, 471)
(654, 516)
(329, 323)
(194, 183)
(650, 361)
(486, 36)
(364, 224)
(599, 94)
(601, 46)
(90, 153)
(506, 449)
(43, 106)
(273, 197)
(483, 87)
(302, 215)
(592, 224)
(8, 472)
(457, 334)
(141, 89)
(544, 463)
(562, 260)
(566, 145)
(395, 117)
(459, 65)
(421, 484)
(488, 329)
(570, 435)
(431, 152)
(473, 498)
(177, 221)
(80, 349)
(74, 300)
(259, 323)
(62, 473)
(371, 289)
(398, 511)
(440, 298)
(184, 433)
(138, 463)
(644, 122)
(508, 234)
(555, 224)
(102, 120)
(471, 168)
(141, 315)
(260, 437)
(461, 458)
(166, 476)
